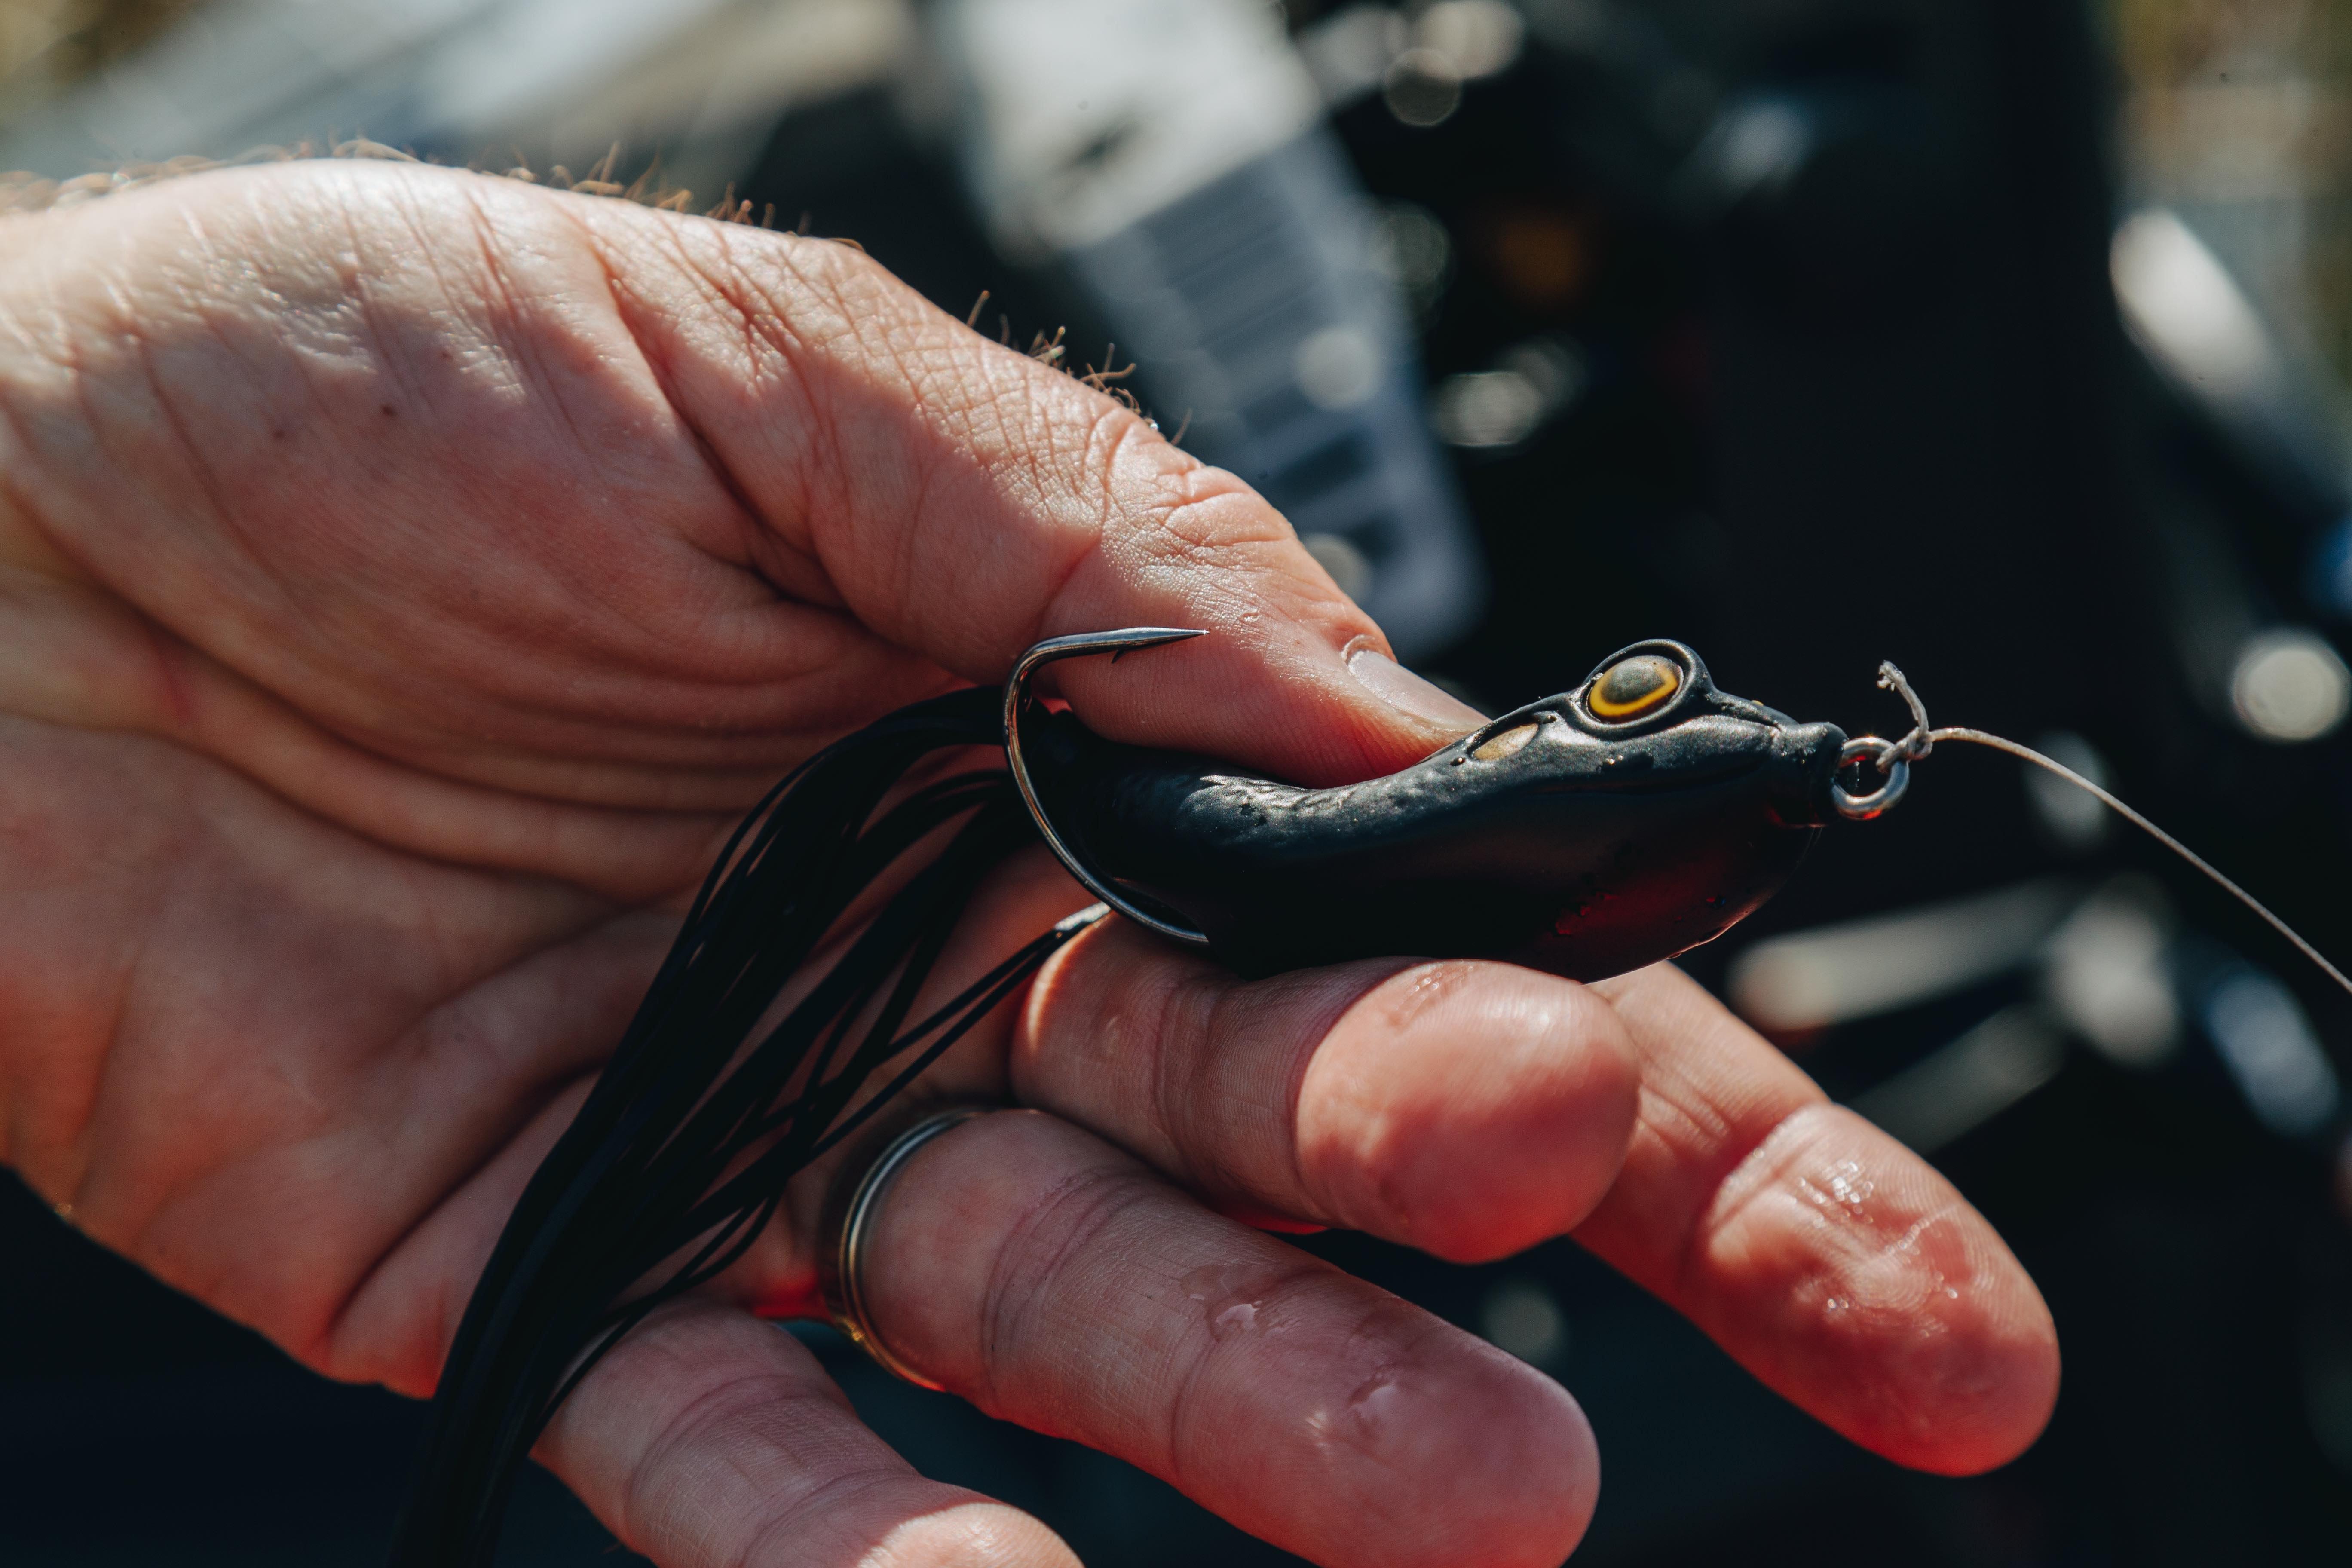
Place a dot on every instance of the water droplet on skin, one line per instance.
(1842, 1186)
(1371, 1406)
(1848, 1185)
(1210, 1279)
(1229, 1295)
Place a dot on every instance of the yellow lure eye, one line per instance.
(1633, 686)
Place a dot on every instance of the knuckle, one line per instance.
(1045, 1244)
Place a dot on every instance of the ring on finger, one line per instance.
(847, 1225)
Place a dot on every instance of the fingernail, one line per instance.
(1406, 692)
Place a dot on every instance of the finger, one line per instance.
(709, 1438)
(1468, 1109)
(966, 500)
(1055, 1282)
(1833, 1262)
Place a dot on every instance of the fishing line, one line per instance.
(1892, 759)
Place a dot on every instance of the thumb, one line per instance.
(965, 501)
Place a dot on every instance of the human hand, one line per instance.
(406, 577)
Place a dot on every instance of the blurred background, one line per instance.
(2010, 340)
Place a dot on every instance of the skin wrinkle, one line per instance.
(178, 694)
(1056, 576)
(1667, 1121)
(905, 569)
(1099, 1196)
(1145, 1023)
(1316, 1029)
(447, 1305)
(1005, 390)
(917, 541)
(772, 329)
(426, 1035)
(1034, 448)
(1191, 553)
(1059, 579)
(504, 303)
(1317, 1192)
(462, 983)
(1754, 1174)
(169, 657)
(766, 325)
(771, 336)
(720, 1403)
(660, 366)
(207, 480)
(436, 1322)
(131, 944)
(380, 359)
(1113, 430)
(396, 363)
(357, 279)
(1393, 1211)
(106, 1088)
(1078, 560)
(128, 329)
(75, 1153)
(792, 1519)
(1180, 1084)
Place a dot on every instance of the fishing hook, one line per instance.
(1117, 644)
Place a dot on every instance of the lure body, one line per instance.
(1584, 835)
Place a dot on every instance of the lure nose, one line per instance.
(1814, 748)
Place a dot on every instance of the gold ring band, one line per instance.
(847, 1226)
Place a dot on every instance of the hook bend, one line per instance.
(1016, 698)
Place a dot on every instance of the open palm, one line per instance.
(406, 577)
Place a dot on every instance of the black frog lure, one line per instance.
(1626, 821)
(1591, 832)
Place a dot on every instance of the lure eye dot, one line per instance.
(1632, 686)
(1506, 744)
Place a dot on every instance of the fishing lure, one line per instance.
(1622, 823)
(1591, 832)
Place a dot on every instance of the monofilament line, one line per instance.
(1978, 737)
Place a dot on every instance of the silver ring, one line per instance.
(1886, 757)
(847, 1226)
